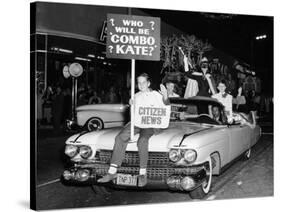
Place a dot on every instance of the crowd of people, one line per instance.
(53, 106)
(55, 103)
(88, 95)
(204, 80)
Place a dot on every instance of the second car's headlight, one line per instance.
(190, 155)
(175, 155)
(85, 151)
(71, 150)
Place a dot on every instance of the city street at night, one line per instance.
(163, 105)
(140, 105)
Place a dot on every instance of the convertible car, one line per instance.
(183, 157)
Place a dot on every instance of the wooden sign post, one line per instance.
(132, 97)
(135, 38)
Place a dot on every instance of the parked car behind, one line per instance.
(100, 116)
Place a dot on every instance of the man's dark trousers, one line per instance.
(122, 140)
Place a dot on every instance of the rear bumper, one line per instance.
(72, 125)
(157, 177)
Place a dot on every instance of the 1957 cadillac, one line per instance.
(182, 157)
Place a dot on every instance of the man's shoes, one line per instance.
(142, 180)
(107, 178)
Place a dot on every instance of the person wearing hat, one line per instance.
(204, 79)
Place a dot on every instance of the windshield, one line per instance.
(199, 112)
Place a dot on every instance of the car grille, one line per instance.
(156, 159)
(152, 173)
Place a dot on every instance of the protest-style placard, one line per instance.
(133, 37)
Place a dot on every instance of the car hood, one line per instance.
(174, 136)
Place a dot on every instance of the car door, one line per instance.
(239, 140)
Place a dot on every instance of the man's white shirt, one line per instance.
(152, 99)
(226, 102)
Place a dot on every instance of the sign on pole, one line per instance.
(152, 113)
(133, 37)
(136, 38)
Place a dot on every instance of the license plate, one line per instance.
(126, 179)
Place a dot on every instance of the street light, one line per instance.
(260, 37)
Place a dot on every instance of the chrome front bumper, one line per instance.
(174, 178)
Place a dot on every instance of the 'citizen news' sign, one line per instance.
(133, 37)
(152, 113)
(151, 117)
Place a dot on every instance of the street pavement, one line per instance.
(251, 178)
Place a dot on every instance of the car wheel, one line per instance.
(94, 124)
(204, 189)
(247, 154)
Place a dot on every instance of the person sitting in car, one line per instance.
(225, 99)
(170, 85)
(216, 114)
(233, 118)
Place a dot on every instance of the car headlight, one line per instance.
(71, 150)
(190, 155)
(175, 155)
(85, 151)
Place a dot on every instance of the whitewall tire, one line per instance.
(204, 189)
(94, 124)
(247, 154)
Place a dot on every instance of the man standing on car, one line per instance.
(203, 78)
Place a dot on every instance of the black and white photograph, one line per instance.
(140, 105)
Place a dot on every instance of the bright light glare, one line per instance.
(61, 50)
(66, 51)
(260, 37)
(81, 58)
(91, 55)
